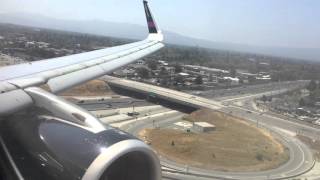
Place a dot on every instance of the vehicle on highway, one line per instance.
(133, 113)
(81, 102)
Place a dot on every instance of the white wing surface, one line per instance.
(66, 72)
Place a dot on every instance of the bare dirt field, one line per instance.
(235, 145)
(92, 88)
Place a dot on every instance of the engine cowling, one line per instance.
(52, 148)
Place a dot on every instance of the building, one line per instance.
(184, 74)
(183, 125)
(140, 62)
(232, 81)
(203, 127)
(127, 72)
(205, 70)
(163, 63)
(317, 122)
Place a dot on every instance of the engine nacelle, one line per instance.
(51, 148)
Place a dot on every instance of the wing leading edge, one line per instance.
(66, 72)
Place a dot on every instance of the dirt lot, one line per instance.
(92, 88)
(235, 145)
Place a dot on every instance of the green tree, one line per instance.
(179, 79)
(312, 86)
(233, 72)
(264, 98)
(143, 72)
(163, 72)
(199, 80)
(153, 65)
(177, 68)
(302, 102)
(314, 95)
(210, 79)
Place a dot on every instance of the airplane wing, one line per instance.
(66, 72)
(71, 143)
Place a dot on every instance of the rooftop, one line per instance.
(204, 124)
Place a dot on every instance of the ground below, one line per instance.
(313, 144)
(91, 88)
(235, 145)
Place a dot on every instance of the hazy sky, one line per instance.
(289, 23)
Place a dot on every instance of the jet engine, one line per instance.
(46, 147)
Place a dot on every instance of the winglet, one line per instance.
(154, 32)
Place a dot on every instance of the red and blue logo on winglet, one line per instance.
(151, 24)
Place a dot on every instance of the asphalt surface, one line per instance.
(162, 93)
(251, 89)
(244, 106)
(239, 103)
(116, 103)
(301, 158)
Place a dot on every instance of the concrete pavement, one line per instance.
(301, 157)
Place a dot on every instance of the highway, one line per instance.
(111, 103)
(220, 94)
(239, 104)
(301, 158)
(163, 93)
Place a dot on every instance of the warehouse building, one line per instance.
(203, 127)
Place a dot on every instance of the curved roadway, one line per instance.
(301, 158)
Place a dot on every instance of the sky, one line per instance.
(277, 23)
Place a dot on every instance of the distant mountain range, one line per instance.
(132, 31)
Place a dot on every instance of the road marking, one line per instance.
(302, 162)
(288, 132)
(254, 95)
(280, 119)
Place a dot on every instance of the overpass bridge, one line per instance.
(156, 92)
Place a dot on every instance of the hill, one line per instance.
(139, 32)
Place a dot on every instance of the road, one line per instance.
(112, 103)
(163, 93)
(247, 90)
(301, 158)
(300, 161)
(238, 104)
